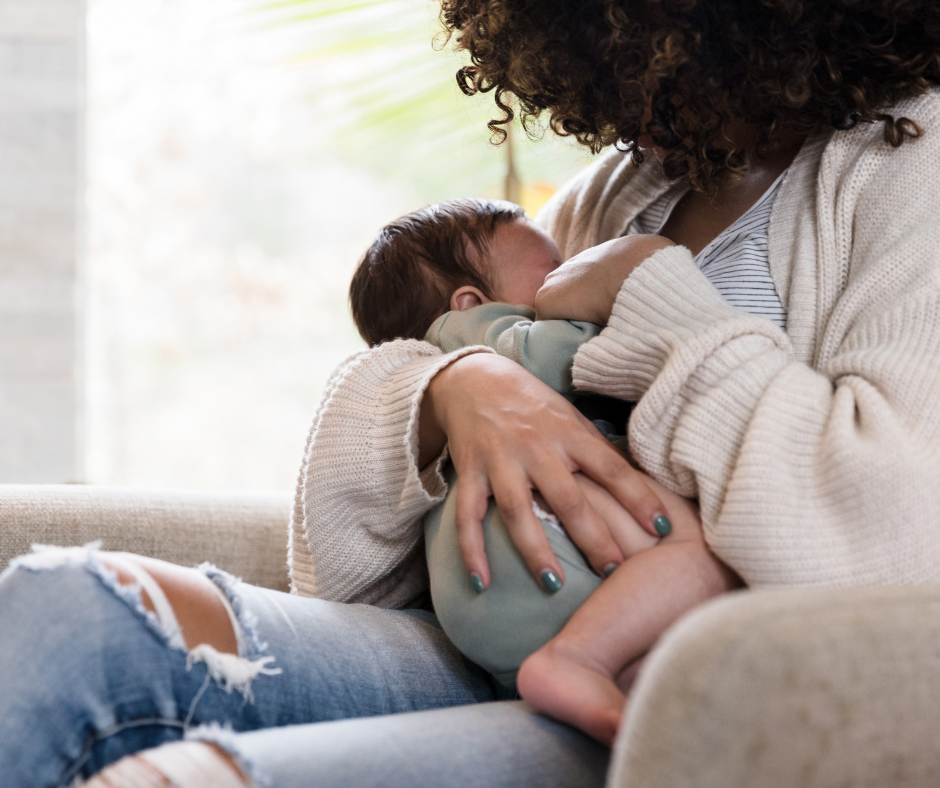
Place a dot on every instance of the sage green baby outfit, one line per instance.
(499, 628)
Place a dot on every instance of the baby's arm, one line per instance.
(574, 677)
(546, 348)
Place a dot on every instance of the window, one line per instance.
(233, 181)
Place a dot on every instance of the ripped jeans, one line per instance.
(88, 675)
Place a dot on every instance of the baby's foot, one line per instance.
(564, 682)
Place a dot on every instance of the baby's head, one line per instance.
(449, 256)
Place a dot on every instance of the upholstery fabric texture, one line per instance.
(782, 688)
(242, 533)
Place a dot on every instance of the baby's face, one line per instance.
(519, 256)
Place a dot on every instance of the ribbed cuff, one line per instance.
(664, 302)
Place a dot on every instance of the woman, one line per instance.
(813, 452)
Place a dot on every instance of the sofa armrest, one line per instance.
(790, 689)
(243, 533)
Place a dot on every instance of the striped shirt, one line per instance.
(737, 261)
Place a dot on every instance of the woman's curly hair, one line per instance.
(701, 66)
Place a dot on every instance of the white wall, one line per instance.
(41, 143)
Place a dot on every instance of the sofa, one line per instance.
(787, 688)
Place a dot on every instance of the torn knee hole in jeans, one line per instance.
(186, 764)
(229, 671)
(226, 740)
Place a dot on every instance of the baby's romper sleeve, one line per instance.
(546, 348)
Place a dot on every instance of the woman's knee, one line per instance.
(40, 600)
(183, 599)
(61, 627)
(188, 608)
(63, 609)
(62, 612)
(94, 670)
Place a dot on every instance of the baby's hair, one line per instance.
(405, 279)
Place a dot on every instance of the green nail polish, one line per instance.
(609, 569)
(551, 582)
(476, 583)
(662, 525)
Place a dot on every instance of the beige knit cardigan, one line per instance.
(815, 453)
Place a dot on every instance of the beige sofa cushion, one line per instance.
(243, 533)
(790, 689)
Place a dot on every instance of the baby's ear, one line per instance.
(467, 297)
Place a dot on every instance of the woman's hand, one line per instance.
(586, 286)
(624, 529)
(509, 433)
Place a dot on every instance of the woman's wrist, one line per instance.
(431, 436)
(432, 430)
(449, 382)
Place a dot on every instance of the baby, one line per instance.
(466, 272)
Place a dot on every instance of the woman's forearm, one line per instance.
(431, 437)
(806, 474)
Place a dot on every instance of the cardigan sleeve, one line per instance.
(807, 474)
(356, 531)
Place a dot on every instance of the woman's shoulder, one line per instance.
(926, 106)
(865, 185)
(878, 202)
(865, 145)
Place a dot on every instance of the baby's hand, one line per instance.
(586, 286)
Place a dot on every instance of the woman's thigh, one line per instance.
(87, 675)
(342, 661)
(497, 745)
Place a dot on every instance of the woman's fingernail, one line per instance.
(662, 525)
(550, 581)
(609, 569)
(476, 582)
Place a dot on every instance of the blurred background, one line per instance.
(237, 159)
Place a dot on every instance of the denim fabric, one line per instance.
(486, 745)
(87, 676)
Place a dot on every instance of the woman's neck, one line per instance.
(697, 219)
